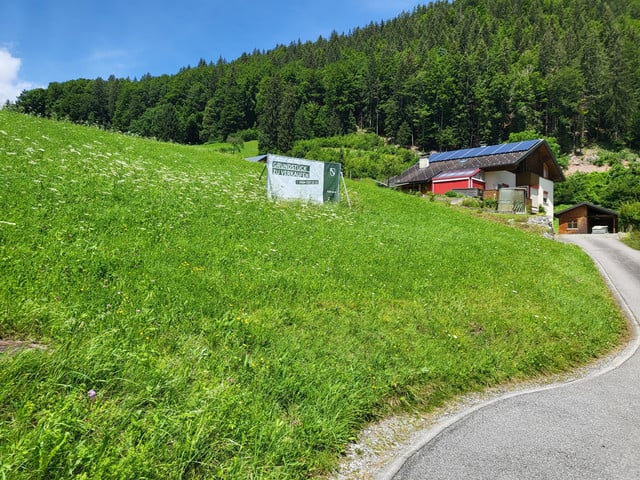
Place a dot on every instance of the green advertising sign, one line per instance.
(331, 186)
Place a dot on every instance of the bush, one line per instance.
(471, 202)
(633, 240)
(630, 216)
(363, 155)
(490, 203)
(236, 142)
(248, 135)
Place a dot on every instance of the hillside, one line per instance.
(189, 328)
(586, 162)
(446, 75)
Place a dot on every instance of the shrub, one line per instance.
(248, 135)
(363, 155)
(471, 202)
(630, 216)
(490, 203)
(236, 142)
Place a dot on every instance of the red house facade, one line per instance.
(457, 180)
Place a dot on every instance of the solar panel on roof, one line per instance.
(483, 151)
(529, 144)
(513, 147)
(501, 148)
(470, 153)
(491, 149)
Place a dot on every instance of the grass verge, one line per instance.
(632, 239)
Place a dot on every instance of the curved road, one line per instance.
(586, 429)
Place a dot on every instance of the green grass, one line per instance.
(632, 239)
(227, 336)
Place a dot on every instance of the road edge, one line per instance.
(610, 364)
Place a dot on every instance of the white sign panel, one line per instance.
(297, 178)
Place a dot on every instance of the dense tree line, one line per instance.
(447, 75)
(615, 188)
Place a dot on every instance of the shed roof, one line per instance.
(591, 207)
(495, 157)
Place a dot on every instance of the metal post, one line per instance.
(344, 185)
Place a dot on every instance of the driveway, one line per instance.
(585, 429)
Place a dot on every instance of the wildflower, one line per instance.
(92, 395)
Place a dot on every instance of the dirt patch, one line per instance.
(584, 163)
(12, 346)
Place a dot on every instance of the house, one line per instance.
(587, 218)
(524, 172)
(462, 179)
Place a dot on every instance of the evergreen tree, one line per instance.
(447, 74)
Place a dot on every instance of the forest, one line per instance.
(445, 75)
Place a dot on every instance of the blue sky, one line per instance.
(43, 41)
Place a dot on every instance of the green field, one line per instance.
(227, 336)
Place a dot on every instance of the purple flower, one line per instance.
(92, 395)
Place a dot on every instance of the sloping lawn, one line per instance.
(193, 329)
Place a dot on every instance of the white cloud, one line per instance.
(10, 85)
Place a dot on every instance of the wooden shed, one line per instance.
(582, 218)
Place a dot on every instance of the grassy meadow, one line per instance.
(227, 336)
(632, 239)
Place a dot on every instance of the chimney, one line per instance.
(424, 161)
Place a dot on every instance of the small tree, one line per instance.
(236, 142)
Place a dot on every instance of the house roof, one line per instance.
(456, 174)
(591, 207)
(505, 156)
(484, 151)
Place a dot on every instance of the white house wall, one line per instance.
(546, 185)
(493, 179)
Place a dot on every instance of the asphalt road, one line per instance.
(587, 429)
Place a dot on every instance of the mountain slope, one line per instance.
(447, 75)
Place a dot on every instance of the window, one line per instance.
(572, 224)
